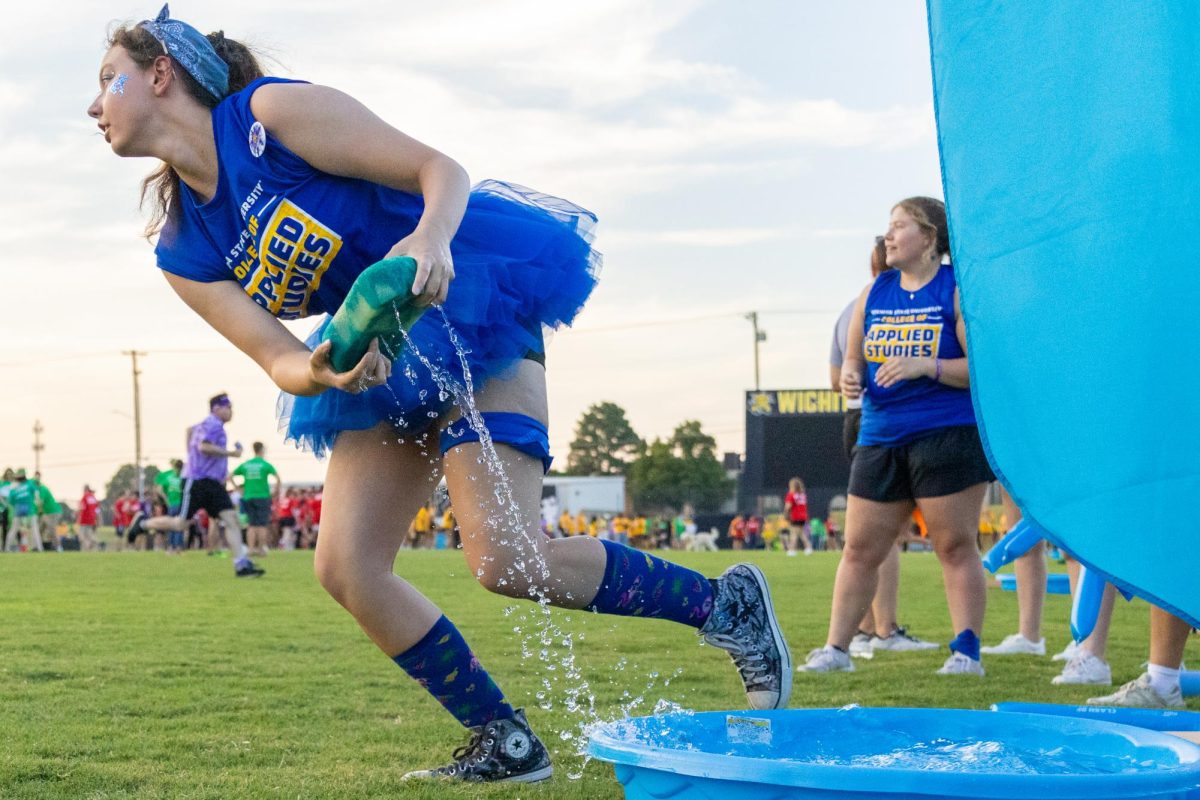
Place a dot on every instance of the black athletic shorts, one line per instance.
(944, 462)
(204, 493)
(850, 424)
(258, 511)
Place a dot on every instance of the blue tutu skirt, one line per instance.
(522, 260)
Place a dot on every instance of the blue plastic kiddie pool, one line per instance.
(1149, 718)
(892, 753)
(1056, 582)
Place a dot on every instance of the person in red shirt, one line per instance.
(795, 507)
(304, 512)
(87, 518)
(314, 512)
(754, 527)
(287, 520)
(123, 510)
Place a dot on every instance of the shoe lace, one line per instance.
(469, 752)
(751, 664)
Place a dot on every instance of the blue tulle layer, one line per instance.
(522, 260)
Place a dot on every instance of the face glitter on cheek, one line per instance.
(118, 86)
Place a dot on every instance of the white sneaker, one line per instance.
(1084, 668)
(827, 659)
(959, 664)
(862, 646)
(792, 553)
(901, 642)
(1140, 693)
(1015, 645)
(1069, 652)
(808, 551)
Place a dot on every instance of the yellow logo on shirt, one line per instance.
(295, 251)
(886, 341)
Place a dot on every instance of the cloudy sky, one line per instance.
(740, 155)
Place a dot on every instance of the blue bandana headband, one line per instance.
(192, 50)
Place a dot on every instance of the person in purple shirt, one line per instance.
(204, 478)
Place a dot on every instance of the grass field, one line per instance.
(140, 675)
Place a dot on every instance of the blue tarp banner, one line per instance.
(1069, 134)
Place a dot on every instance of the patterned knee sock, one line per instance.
(446, 667)
(637, 584)
(966, 643)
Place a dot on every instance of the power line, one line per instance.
(699, 318)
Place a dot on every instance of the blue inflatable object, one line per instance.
(1069, 134)
(1056, 582)
(1189, 683)
(1085, 608)
(1148, 718)
(1016, 543)
(892, 753)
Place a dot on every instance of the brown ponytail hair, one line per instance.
(161, 187)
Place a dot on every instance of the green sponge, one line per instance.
(379, 304)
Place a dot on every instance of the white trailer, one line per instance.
(591, 494)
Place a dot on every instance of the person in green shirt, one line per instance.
(48, 510)
(22, 499)
(256, 496)
(169, 484)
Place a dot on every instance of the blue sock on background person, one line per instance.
(443, 663)
(966, 643)
(636, 584)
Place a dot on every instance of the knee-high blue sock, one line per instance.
(446, 667)
(966, 643)
(636, 584)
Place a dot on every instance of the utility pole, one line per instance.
(38, 447)
(137, 424)
(759, 336)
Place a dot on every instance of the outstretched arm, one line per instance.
(251, 329)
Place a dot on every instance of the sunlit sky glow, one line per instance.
(740, 156)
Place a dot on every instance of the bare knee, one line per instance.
(956, 550)
(863, 554)
(337, 576)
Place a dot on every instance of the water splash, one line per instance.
(562, 682)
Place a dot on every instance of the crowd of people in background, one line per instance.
(280, 517)
(29, 512)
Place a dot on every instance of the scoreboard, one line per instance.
(794, 433)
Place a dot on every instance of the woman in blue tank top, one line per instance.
(273, 196)
(918, 445)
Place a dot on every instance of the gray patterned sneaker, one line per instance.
(503, 751)
(1140, 693)
(743, 623)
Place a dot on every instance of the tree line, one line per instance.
(665, 474)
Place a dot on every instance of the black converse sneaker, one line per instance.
(743, 623)
(504, 750)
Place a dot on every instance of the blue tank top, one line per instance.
(898, 322)
(294, 237)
